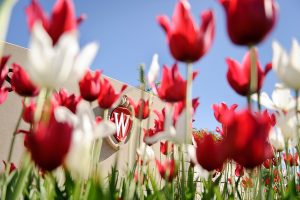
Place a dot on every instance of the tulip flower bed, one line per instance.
(253, 155)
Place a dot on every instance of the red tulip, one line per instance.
(149, 133)
(267, 164)
(138, 178)
(239, 170)
(62, 18)
(291, 160)
(98, 119)
(247, 138)
(108, 96)
(62, 98)
(89, 85)
(172, 81)
(187, 41)
(159, 123)
(49, 143)
(12, 166)
(3, 74)
(210, 152)
(164, 147)
(221, 111)
(142, 106)
(167, 170)
(238, 75)
(249, 21)
(21, 83)
(179, 106)
(28, 113)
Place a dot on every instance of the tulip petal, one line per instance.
(282, 98)
(3, 95)
(280, 59)
(295, 55)
(207, 28)
(35, 13)
(165, 23)
(183, 21)
(157, 137)
(105, 128)
(62, 19)
(40, 56)
(276, 139)
(85, 59)
(264, 100)
(192, 153)
(63, 62)
(63, 114)
(153, 71)
(287, 67)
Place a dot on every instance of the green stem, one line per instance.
(258, 101)
(142, 88)
(182, 170)
(11, 147)
(249, 101)
(260, 184)
(148, 126)
(96, 149)
(253, 74)
(188, 102)
(4, 187)
(237, 188)
(135, 139)
(42, 101)
(296, 112)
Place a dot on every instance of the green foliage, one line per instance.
(29, 183)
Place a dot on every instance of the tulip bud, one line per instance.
(187, 41)
(89, 86)
(62, 18)
(167, 170)
(21, 83)
(108, 96)
(172, 81)
(249, 21)
(49, 143)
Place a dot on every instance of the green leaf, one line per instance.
(17, 185)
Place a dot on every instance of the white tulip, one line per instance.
(281, 99)
(153, 72)
(283, 103)
(287, 67)
(52, 66)
(85, 131)
(146, 153)
(276, 139)
(287, 123)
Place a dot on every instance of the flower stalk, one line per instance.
(253, 75)
(136, 136)
(96, 149)
(11, 147)
(188, 101)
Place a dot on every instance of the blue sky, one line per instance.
(128, 35)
